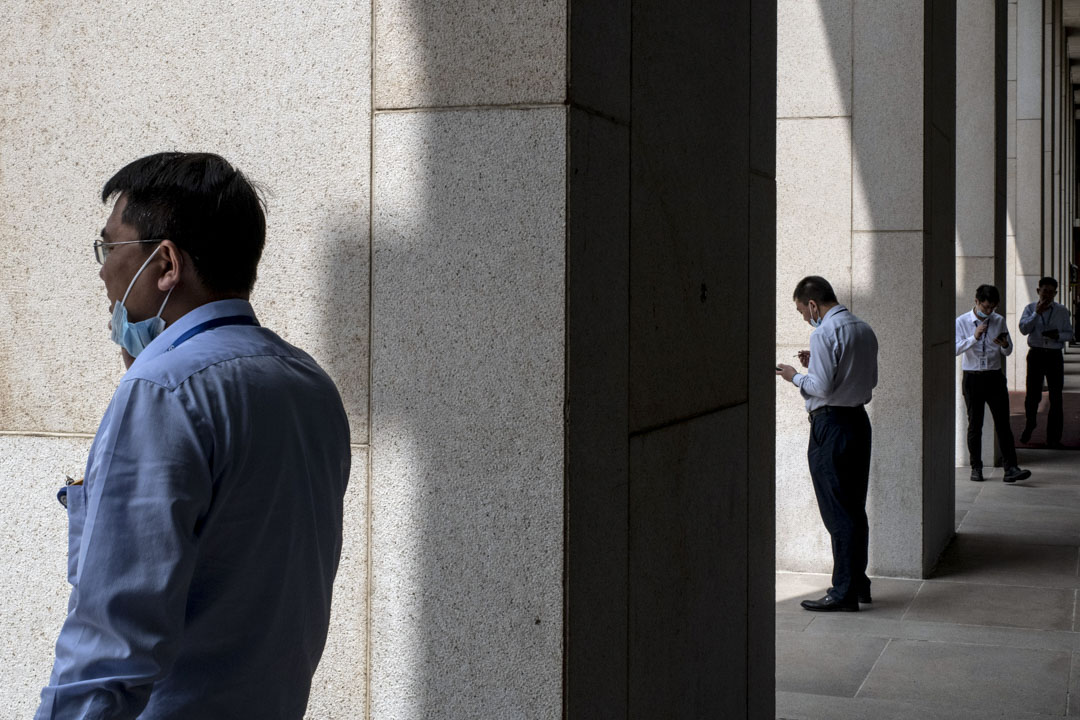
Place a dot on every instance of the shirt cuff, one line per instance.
(797, 380)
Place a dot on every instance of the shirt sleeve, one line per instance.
(1027, 319)
(965, 335)
(1064, 327)
(1007, 350)
(148, 486)
(820, 376)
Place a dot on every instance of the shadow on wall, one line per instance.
(466, 398)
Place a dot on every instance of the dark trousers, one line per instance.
(839, 456)
(1048, 364)
(983, 388)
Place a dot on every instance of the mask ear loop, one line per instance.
(160, 309)
(137, 274)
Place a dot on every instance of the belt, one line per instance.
(833, 409)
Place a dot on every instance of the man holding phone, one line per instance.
(840, 379)
(1046, 324)
(983, 341)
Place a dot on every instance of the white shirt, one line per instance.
(843, 362)
(981, 354)
(1056, 317)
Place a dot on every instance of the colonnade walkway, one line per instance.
(993, 634)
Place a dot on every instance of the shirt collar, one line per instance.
(209, 311)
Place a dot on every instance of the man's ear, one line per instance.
(173, 259)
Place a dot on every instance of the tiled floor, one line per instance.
(993, 634)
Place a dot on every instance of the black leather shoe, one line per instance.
(1055, 445)
(976, 475)
(831, 604)
(1026, 435)
(864, 598)
(1012, 474)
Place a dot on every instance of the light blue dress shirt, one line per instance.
(982, 354)
(1056, 317)
(843, 362)
(204, 542)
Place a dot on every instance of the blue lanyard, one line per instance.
(210, 325)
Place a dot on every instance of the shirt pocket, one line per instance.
(76, 507)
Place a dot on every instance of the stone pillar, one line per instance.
(1026, 202)
(572, 327)
(980, 163)
(859, 85)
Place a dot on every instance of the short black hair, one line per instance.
(987, 293)
(816, 288)
(202, 204)
(1048, 281)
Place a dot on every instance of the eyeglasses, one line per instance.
(101, 248)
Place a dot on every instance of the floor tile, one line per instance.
(804, 706)
(971, 676)
(995, 605)
(824, 664)
(990, 557)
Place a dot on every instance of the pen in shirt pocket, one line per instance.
(68, 482)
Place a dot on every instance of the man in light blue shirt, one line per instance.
(1046, 324)
(205, 536)
(983, 342)
(841, 377)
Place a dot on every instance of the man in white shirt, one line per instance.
(841, 376)
(983, 341)
(1046, 324)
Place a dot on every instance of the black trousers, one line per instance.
(839, 457)
(1048, 364)
(988, 388)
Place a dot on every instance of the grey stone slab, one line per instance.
(790, 622)
(997, 558)
(1034, 524)
(761, 436)
(596, 416)
(813, 74)
(689, 609)
(468, 401)
(33, 561)
(1029, 59)
(970, 676)
(866, 623)
(997, 605)
(813, 203)
(689, 223)
(335, 691)
(599, 69)
(808, 706)
(975, 132)
(888, 127)
(250, 96)
(824, 664)
(1074, 687)
(468, 53)
(1028, 197)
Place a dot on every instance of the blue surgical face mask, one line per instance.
(816, 322)
(134, 337)
(980, 314)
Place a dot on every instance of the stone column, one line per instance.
(860, 84)
(980, 168)
(1026, 206)
(572, 330)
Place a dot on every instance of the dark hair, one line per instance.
(816, 288)
(204, 205)
(987, 293)
(1048, 281)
